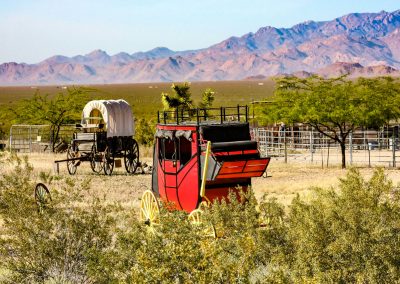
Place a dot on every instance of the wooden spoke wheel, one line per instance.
(72, 165)
(207, 228)
(42, 196)
(149, 209)
(108, 165)
(96, 161)
(131, 157)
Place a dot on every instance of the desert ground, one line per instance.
(283, 181)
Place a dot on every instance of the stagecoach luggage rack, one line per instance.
(204, 115)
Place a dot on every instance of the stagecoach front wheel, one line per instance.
(42, 196)
(72, 165)
(108, 162)
(149, 210)
(207, 228)
(131, 157)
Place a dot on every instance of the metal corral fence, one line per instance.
(36, 138)
(363, 147)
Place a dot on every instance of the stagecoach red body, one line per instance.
(180, 151)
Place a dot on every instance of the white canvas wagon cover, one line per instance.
(117, 116)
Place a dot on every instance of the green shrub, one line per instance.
(344, 235)
(61, 244)
(351, 235)
(144, 132)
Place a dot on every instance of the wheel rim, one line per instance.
(149, 209)
(96, 161)
(131, 158)
(108, 162)
(71, 165)
(207, 228)
(42, 196)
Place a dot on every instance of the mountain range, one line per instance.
(362, 44)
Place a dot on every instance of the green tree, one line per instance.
(335, 107)
(207, 98)
(181, 97)
(64, 107)
(144, 133)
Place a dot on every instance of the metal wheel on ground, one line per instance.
(131, 157)
(149, 210)
(96, 161)
(72, 165)
(196, 219)
(108, 161)
(42, 196)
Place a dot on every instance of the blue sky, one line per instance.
(31, 31)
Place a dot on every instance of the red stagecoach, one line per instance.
(199, 155)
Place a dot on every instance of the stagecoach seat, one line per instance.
(233, 146)
(226, 132)
(228, 137)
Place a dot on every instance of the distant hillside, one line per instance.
(362, 43)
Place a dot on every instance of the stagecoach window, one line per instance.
(185, 150)
(167, 149)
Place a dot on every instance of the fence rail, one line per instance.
(36, 138)
(363, 147)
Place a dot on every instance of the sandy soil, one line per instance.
(283, 181)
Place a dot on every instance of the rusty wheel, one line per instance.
(42, 196)
(72, 165)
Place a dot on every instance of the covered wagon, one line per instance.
(104, 137)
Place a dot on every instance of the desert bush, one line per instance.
(350, 235)
(60, 244)
(345, 235)
(180, 252)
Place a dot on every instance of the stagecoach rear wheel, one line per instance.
(72, 165)
(108, 159)
(96, 161)
(149, 210)
(196, 219)
(131, 157)
(42, 196)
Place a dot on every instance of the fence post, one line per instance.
(327, 158)
(351, 147)
(30, 139)
(394, 150)
(285, 144)
(10, 146)
(311, 145)
(369, 155)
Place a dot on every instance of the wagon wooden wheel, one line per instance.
(207, 228)
(108, 161)
(131, 157)
(149, 210)
(72, 165)
(96, 160)
(42, 196)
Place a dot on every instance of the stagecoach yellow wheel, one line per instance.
(149, 209)
(196, 218)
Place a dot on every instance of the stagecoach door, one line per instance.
(177, 173)
(168, 167)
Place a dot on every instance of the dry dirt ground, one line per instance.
(283, 181)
